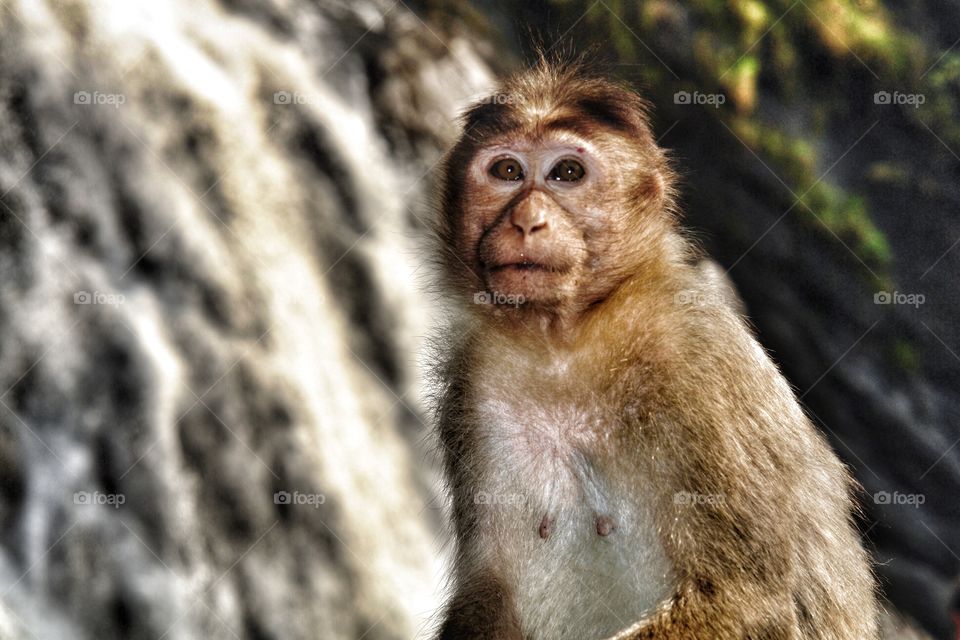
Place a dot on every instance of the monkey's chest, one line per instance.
(580, 545)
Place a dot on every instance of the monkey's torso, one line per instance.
(591, 493)
(570, 519)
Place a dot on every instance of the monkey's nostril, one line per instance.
(530, 229)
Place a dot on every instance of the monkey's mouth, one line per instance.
(532, 283)
(523, 266)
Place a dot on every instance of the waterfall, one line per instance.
(212, 297)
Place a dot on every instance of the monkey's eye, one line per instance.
(567, 170)
(507, 169)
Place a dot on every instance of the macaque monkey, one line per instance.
(625, 460)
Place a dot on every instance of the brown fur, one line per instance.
(679, 397)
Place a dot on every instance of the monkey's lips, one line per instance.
(522, 266)
(535, 281)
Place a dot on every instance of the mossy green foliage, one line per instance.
(841, 214)
(905, 356)
(608, 19)
(846, 217)
(942, 91)
(889, 173)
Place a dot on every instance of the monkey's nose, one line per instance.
(528, 218)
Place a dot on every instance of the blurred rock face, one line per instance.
(212, 294)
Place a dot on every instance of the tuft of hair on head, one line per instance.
(571, 89)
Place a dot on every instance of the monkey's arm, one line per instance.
(717, 604)
(689, 616)
(761, 540)
(482, 607)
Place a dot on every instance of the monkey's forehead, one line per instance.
(539, 124)
(524, 141)
(583, 107)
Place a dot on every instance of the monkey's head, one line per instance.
(555, 193)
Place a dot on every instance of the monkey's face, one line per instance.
(538, 222)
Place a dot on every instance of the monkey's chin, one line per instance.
(521, 285)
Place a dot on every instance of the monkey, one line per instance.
(624, 459)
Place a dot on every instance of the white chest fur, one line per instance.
(581, 548)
